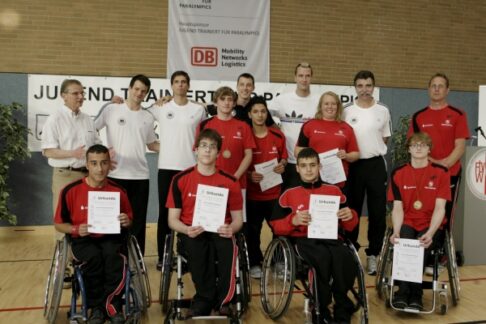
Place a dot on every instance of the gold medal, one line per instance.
(417, 204)
(226, 154)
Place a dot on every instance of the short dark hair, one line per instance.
(142, 78)
(257, 100)
(97, 148)
(222, 92)
(364, 74)
(440, 75)
(179, 73)
(247, 76)
(67, 82)
(304, 65)
(210, 134)
(307, 153)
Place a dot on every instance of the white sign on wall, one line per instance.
(219, 39)
(482, 114)
(44, 96)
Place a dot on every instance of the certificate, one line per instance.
(210, 208)
(332, 170)
(408, 260)
(324, 221)
(103, 212)
(270, 178)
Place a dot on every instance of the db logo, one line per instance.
(476, 174)
(204, 56)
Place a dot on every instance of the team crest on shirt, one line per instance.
(430, 185)
(238, 135)
(274, 150)
(169, 115)
(405, 187)
(447, 123)
(122, 121)
(339, 133)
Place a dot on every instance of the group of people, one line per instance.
(219, 145)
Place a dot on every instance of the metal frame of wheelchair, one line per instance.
(385, 282)
(282, 266)
(137, 296)
(174, 260)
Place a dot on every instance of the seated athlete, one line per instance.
(419, 191)
(103, 264)
(330, 258)
(214, 284)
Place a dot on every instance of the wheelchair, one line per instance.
(440, 297)
(282, 266)
(175, 259)
(137, 296)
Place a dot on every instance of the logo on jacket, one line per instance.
(122, 121)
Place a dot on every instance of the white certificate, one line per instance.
(332, 170)
(324, 221)
(103, 212)
(270, 178)
(210, 208)
(408, 260)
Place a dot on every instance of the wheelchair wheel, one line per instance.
(278, 278)
(166, 273)
(384, 267)
(244, 271)
(452, 268)
(55, 280)
(361, 295)
(139, 274)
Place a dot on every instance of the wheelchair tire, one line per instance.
(55, 280)
(278, 270)
(139, 279)
(452, 268)
(166, 273)
(244, 271)
(361, 295)
(383, 258)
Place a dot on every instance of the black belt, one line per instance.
(82, 169)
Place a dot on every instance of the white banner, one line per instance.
(481, 115)
(44, 97)
(219, 39)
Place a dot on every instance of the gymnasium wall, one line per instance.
(403, 42)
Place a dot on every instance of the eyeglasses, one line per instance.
(419, 145)
(205, 146)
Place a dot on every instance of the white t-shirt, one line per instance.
(293, 111)
(128, 132)
(370, 126)
(177, 130)
(67, 131)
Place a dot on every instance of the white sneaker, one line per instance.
(256, 272)
(371, 265)
(429, 271)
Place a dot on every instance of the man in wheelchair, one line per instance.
(100, 255)
(331, 259)
(419, 191)
(214, 281)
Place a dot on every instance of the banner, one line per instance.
(482, 115)
(44, 96)
(219, 39)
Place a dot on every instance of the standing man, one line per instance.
(368, 176)
(293, 109)
(129, 131)
(448, 129)
(178, 120)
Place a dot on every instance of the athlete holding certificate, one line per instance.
(203, 248)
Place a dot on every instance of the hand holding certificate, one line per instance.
(270, 178)
(408, 260)
(103, 212)
(210, 208)
(332, 170)
(324, 223)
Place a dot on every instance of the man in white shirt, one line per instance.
(293, 109)
(129, 131)
(368, 176)
(178, 120)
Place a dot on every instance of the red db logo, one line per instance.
(204, 56)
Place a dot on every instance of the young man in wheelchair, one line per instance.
(331, 259)
(419, 191)
(215, 286)
(100, 255)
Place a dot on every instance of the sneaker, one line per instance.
(256, 272)
(429, 270)
(97, 316)
(416, 303)
(118, 318)
(371, 265)
(67, 280)
(225, 310)
(400, 301)
(158, 266)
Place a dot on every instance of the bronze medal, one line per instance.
(417, 204)
(226, 154)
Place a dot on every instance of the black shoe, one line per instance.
(97, 316)
(416, 303)
(159, 266)
(118, 318)
(225, 310)
(400, 301)
(198, 309)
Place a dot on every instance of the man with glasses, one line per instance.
(367, 176)
(293, 109)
